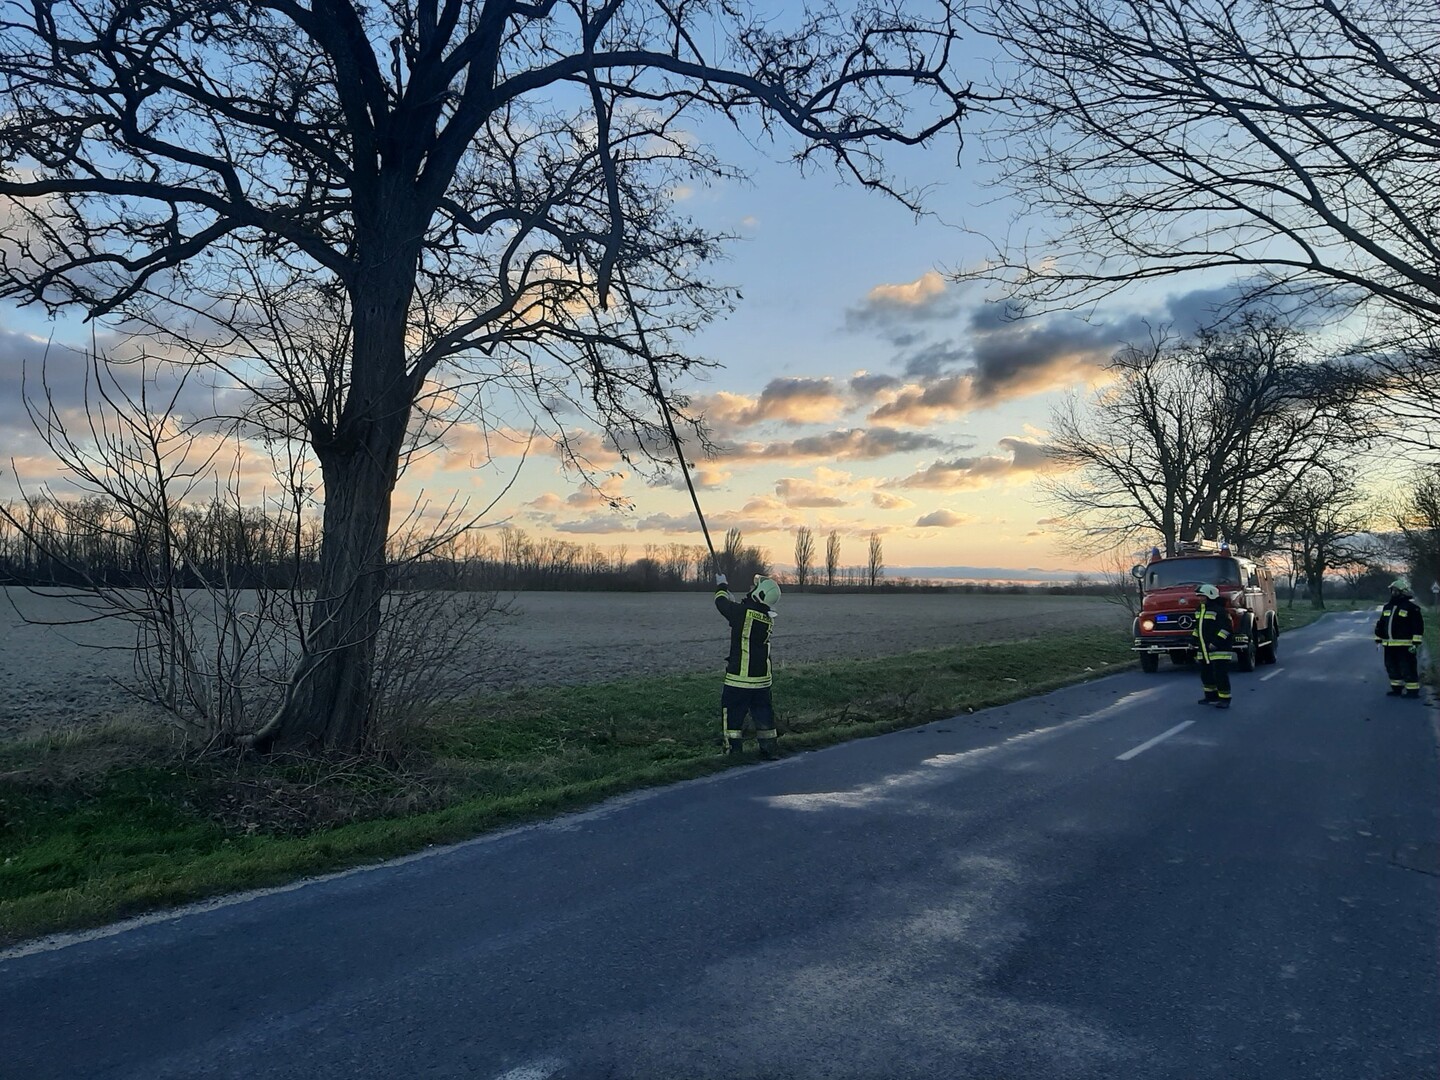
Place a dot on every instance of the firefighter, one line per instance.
(747, 671)
(1400, 629)
(1213, 635)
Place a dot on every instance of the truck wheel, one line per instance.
(1149, 662)
(1270, 651)
(1245, 658)
(1182, 657)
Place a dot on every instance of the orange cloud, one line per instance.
(854, 444)
(886, 501)
(941, 519)
(805, 493)
(915, 293)
(801, 401)
(1026, 458)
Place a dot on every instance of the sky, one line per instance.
(859, 390)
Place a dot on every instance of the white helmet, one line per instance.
(766, 591)
(1400, 584)
(1210, 592)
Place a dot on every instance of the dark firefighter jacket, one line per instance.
(1400, 622)
(1212, 631)
(750, 623)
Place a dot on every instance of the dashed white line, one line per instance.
(1151, 742)
(1270, 675)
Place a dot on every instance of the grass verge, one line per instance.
(112, 822)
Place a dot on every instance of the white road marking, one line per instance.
(1271, 675)
(536, 1070)
(1128, 754)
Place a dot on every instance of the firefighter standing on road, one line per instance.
(1400, 629)
(747, 671)
(1212, 632)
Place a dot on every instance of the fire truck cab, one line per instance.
(1166, 620)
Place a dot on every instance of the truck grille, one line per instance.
(1173, 623)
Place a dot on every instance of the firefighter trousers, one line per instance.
(1215, 679)
(736, 702)
(1402, 664)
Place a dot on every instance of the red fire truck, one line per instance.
(1169, 600)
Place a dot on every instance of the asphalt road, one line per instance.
(1038, 891)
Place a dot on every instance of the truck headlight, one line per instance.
(1147, 625)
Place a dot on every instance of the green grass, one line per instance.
(115, 822)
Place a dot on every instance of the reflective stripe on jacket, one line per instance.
(1400, 623)
(1212, 631)
(750, 623)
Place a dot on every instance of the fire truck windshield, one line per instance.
(1215, 571)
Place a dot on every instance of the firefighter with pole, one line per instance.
(747, 669)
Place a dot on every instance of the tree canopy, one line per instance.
(1293, 141)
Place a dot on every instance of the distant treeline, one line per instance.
(58, 542)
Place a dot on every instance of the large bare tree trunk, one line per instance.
(328, 702)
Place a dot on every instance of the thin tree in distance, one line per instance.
(832, 558)
(804, 555)
(875, 563)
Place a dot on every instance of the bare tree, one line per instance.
(804, 555)
(215, 593)
(875, 565)
(832, 558)
(1325, 520)
(1404, 375)
(478, 190)
(1293, 142)
(1206, 438)
(1418, 522)
(740, 562)
(1292, 138)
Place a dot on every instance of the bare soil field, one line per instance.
(62, 677)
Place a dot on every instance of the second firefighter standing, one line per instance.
(747, 669)
(1400, 629)
(1214, 646)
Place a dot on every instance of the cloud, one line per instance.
(887, 501)
(854, 444)
(703, 476)
(1301, 305)
(923, 405)
(1026, 458)
(804, 401)
(941, 519)
(1001, 361)
(596, 524)
(867, 386)
(895, 309)
(36, 368)
(469, 446)
(805, 493)
(759, 515)
(933, 361)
